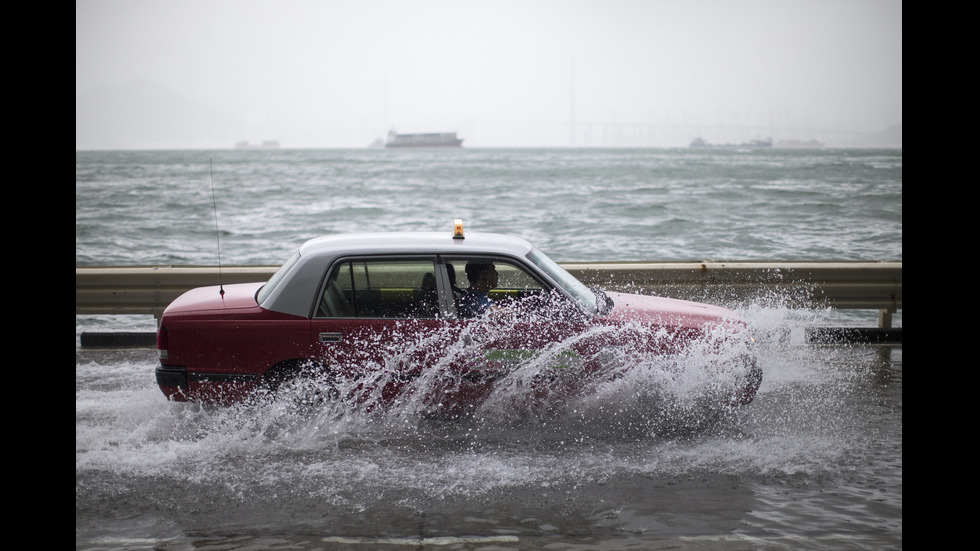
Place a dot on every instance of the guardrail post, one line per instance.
(885, 319)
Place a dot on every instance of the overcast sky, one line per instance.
(340, 73)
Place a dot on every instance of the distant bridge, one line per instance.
(586, 133)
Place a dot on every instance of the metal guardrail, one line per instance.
(844, 285)
(836, 284)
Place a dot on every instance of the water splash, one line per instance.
(629, 391)
(644, 429)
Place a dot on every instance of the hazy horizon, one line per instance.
(207, 74)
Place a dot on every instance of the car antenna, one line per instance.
(217, 234)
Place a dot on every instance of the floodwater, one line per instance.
(814, 462)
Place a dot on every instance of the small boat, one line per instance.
(434, 139)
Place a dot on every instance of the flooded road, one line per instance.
(815, 462)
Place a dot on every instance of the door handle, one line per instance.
(331, 337)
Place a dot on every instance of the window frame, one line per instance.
(350, 260)
(446, 301)
(520, 263)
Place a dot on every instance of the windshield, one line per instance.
(582, 294)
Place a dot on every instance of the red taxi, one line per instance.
(386, 310)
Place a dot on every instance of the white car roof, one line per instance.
(294, 293)
(415, 242)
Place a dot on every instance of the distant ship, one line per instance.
(699, 142)
(437, 139)
(268, 144)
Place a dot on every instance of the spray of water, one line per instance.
(343, 440)
(423, 385)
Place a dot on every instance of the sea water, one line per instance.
(815, 462)
(164, 207)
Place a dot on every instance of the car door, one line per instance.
(379, 321)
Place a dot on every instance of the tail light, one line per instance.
(162, 343)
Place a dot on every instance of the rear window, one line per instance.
(273, 282)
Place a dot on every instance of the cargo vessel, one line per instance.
(699, 142)
(434, 139)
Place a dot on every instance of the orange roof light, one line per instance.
(458, 228)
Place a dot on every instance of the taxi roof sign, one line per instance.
(458, 228)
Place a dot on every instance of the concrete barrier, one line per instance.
(836, 284)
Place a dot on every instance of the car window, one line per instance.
(380, 289)
(511, 282)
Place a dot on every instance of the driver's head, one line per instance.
(482, 275)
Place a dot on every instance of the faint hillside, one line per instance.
(142, 114)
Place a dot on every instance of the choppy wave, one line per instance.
(576, 205)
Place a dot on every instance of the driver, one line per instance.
(476, 300)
